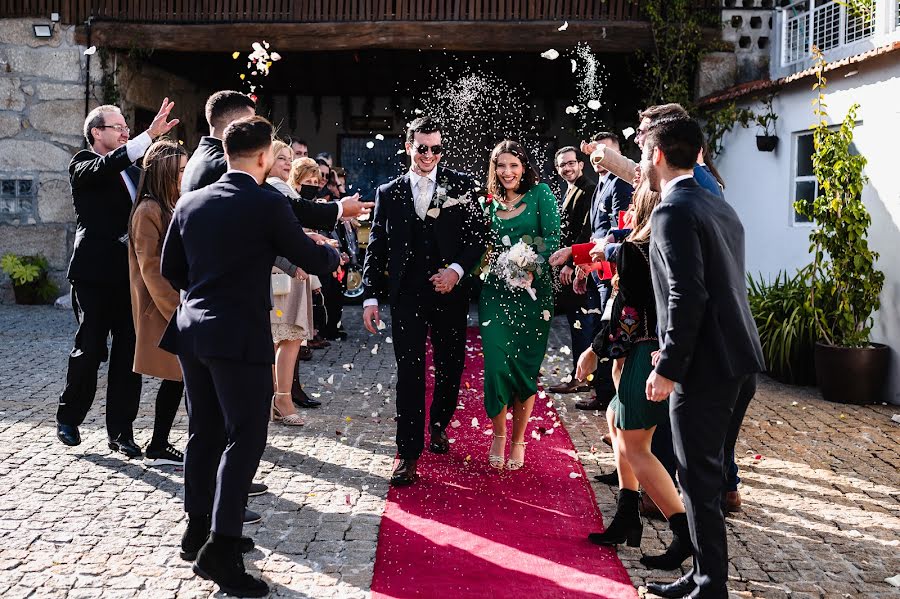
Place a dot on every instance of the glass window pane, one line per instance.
(24, 187)
(8, 188)
(804, 155)
(805, 192)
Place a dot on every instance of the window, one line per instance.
(16, 197)
(806, 188)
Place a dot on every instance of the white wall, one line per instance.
(759, 184)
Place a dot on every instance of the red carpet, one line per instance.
(467, 530)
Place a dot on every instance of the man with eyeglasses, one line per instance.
(428, 234)
(104, 186)
(575, 210)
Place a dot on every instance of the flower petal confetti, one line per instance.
(379, 387)
(455, 424)
(894, 581)
(546, 315)
(628, 132)
(370, 144)
(574, 65)
(331, 380)
(381, 326)
(577, 325)
(550, 54)
(375, 350)
(90, 51)
(379, 137)
(474, 422)
(594, 104)
(572, 110)
(564, 26)
(574, 475)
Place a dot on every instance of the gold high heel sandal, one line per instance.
(512, 464)
(290, 420)
(496, 461)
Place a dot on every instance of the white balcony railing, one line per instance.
(826, 24)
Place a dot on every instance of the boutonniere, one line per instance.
(443, 199)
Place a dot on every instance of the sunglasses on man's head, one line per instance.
(423, 149)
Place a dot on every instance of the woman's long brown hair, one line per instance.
(159, 179)
(644, 201)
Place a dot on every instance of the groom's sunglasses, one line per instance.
(436, 150)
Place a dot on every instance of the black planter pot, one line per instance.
(850, 374)
(766, 143)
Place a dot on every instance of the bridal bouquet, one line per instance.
(517, 265)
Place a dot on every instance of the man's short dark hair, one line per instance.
(661, 111)
(247, 136)
(608, 135)
(678, 138)
(565, 149)
(423, 124)
(222, 106)
(322, 162)
(301, 142)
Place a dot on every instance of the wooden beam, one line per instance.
(460, 36)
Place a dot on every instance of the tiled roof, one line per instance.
(763, 85)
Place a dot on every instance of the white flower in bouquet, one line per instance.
(517, 265)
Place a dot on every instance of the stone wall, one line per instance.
(42, 110)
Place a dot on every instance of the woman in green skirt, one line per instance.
(630, 340)
(517, 299)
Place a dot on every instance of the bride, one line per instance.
(517, 300)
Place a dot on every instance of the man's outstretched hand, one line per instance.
(160, 124)
(352, 207)
(371, 319)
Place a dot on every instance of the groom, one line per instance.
(428, 232)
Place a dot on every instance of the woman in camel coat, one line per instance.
(153, 300)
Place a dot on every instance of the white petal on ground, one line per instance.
(375, 350)
(574, 475)
(894, 581)
(455, 424)
(381, 325)
(379, 387)
(565, 350)
(331, 380)
(388, 340)
(474, 422)
(550, 54)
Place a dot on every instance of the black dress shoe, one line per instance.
(592, 404)
(608, 479)
(439, 441)
(301, 399)
(405, 474)
(305, 353)
(127, 447)
(251, 517)
(68, 434)
(257, 489)
(678, 589)
(220, 560)
(197, 533)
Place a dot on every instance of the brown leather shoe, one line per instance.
(648, 509)
(405, 474)
(591, 404)
(305, 353)
(607, 438)
(439, 442)
(732, 502)
(573, 386)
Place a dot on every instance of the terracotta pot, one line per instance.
(854, 375)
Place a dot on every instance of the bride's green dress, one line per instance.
(514, 327)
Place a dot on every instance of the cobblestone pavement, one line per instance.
(821, 507)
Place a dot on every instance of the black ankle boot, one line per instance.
(195, 535)
(626, 526)
(220, 560)
(680, 549)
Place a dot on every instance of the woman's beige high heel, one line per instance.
(512, 464)
(289, 420)
(496, 461)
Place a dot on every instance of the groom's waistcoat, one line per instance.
(424, 255)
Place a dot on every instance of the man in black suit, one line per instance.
(574, 213)
(709, 345)
(219, 252)
(104, 185)
(207, 164)
(427, 234)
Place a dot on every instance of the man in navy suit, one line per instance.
(104, 185)
(428, 234)
(219, 252)
(709, 345)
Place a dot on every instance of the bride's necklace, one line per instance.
(511, 205)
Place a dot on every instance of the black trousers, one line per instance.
(333, 294)
(102, 311)
(597, 296)
(413, 316)
(168, 398)
(701, 414)
(228, 405)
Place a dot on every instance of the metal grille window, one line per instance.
(860, 24)
(796, 37)
(806, 188)
(826, 24)
(16, 196)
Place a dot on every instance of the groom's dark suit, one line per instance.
(709, 347)
(404, 252)
(219, 251)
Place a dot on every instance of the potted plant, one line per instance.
(786, 325)
(30, 279)
(845, 285)
(767, 141)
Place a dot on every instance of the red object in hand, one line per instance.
(340, 275)
(625, 219)
(581, 257)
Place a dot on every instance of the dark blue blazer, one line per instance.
(707, 332)
(609, 198)
(460, 231)
(219, 250)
